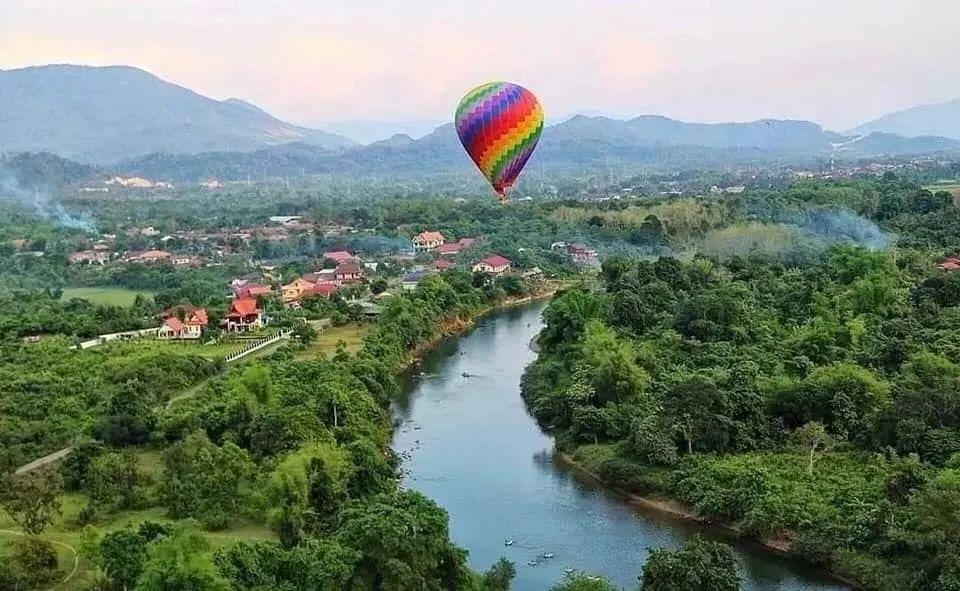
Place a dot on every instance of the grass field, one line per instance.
(326, 343)
(65, 530)
(107, 296)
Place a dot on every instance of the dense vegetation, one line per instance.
(300, 447)
(812, 402)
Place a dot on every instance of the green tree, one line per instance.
(203, 480)
(32, 499)
(122, 554)
(113, 481)
(403, 540)
(582, 582)
(179, 561)
(812, 438)
(499, 576)
(700, 565)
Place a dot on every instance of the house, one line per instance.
(89, 257)
(534, 273)
(443, 265)
(295, 290)
(582, 255)
(348, 273)
(252, 290)
(148, 256)
(494, 264)
(949, 264)
(324, 276)
(324, 289)
(244, 315)
(185, 260)
(452, 248)
(182, 323)
(425, 241)
(411, 279)
(339, 256)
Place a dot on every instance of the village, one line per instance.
(279, 288)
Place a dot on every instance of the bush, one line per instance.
(33, 562)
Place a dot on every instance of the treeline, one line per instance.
(819, 405)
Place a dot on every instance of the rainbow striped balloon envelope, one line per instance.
(499, 124)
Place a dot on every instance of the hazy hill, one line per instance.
(942, 119)
(106, 114)
(578, 144)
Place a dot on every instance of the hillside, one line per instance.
(107, 114)
(941, 119)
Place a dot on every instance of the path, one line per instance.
(76, 555)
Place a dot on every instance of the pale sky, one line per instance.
(837, 62)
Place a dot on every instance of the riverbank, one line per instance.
(451, 327)
(675, 509)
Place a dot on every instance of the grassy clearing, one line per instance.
(66, 531)
(326, 343)
(106, 296)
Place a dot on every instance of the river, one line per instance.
(470, 445)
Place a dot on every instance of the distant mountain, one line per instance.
(942, 119)
(580, 143)
(653, 130)
(367, 132)
(876, 144)
(106, 114)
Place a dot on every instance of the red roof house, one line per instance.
(324, 289)
(252, 290)
(443, 265)
(950, 264)
(183, 322)
(425, 241)
(339, 256)
(348, 273)
(244, 315)
(494, 264)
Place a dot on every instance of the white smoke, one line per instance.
(41, 203)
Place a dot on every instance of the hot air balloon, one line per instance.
(499, 124)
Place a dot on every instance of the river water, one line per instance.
(470, 445)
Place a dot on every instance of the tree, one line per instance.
(498, 577)
(122, 553)
(403, 541)
(378, 285)
(306, 489)
(256, 380)
(314, 565)
(203, 480)
(113, 481)
(179, 561)
(812, 438)
(32, 499)
(583, 582)
(700, 565)
(32, 562)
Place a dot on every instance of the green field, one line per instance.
(107, 296)
(67, 532)
(326, 343)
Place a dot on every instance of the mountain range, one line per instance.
(137, 123)
(106, 114)
(941, 119)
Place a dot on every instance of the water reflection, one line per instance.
(468, 443)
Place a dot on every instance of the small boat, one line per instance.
(508, 542)
(548, 555)
(568, 571)
(465, 374)
(532, 562)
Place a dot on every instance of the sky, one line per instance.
(836, 62)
